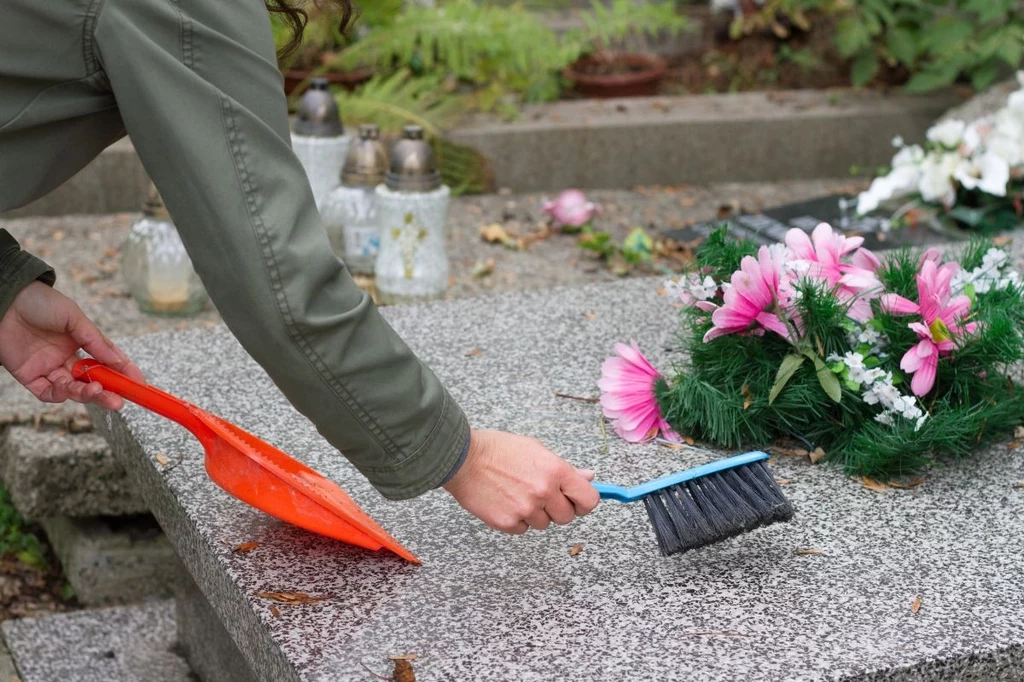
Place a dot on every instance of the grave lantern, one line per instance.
(412, 210)
(350, 211)
(156, 266)
(319, 139)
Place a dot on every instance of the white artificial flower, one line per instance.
(936, 184)
(1015, 102)
(989, 174)
(994, 259)
(897, 141)
(900, 182)
(884, 418)
(703, 290)
(948, 133)
(920, 421)
(977, 133)
(908, 156)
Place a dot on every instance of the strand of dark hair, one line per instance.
(296, 17)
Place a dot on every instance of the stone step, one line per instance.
(123, 644)
(697, 140)
(114, 560)
(53, 473)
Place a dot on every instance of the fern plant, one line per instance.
(502, 50)
(400, 99)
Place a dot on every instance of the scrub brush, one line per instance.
(709, 503)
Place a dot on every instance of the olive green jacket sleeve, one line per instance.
(18, 269)
(196, 86)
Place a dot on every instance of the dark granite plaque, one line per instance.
(771, 226)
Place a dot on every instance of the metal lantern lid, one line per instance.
(367, 161)
(318, 112)
(154, 207)
(413, 166)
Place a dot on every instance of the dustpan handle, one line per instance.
(153, 399)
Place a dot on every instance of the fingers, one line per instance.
(59, 386)
(560, 509)
(584, 497)
(538, 520)
(93, 342)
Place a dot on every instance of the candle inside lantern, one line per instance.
(156, 266)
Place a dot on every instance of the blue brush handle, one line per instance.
(637, 492)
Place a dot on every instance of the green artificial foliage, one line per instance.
(747, 391)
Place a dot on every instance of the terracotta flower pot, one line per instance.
(349, 80)
(617, 74)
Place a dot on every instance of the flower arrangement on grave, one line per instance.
(881, 362)
(973, 173)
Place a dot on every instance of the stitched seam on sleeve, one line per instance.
(256, 221)
(92, 62)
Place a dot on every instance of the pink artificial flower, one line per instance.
(822, 254)
(572, 208)
(942, 315)
(756, 292)
(628, 398)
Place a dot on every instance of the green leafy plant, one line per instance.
(826, 384)
(16, 539)
(502, 50)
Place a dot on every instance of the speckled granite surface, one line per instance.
(124, 644)
(491, 607)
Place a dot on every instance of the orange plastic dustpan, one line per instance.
(254, 471)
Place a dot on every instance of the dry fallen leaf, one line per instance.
(1013, 445)
(290, 598)
(474, 353)
(496, 234)
(576, 549)
(909, 484)
(1018, 432)
(274, 612)
(59, 235)
(590, 316)
(783, 481)
(162, 459)
(804, 552)
(1001, 241)
(403, 671)
(1019, 484)
(483, 268)
(790, 452)
(748, 399)
(916, 606)
(817, 455)
(872, 484)
(577, 397)
(404, 657)
(245, 547)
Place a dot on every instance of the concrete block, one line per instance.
(52, 474)
(111, 560)
(8, 673)
(699, 140)
(115, 182)
(609, 144)
(207, 646)
(125, 644)
(486, 606)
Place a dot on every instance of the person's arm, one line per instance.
(198, 88)
(41, 331)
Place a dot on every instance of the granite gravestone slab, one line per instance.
(771, 225)
(486, 606)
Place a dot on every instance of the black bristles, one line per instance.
(716, 507)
